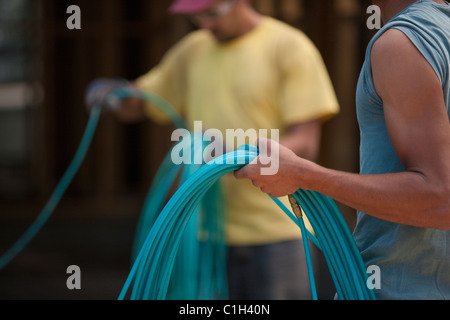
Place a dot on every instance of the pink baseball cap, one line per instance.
(189, 6)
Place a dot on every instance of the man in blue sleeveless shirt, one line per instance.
(402, 193)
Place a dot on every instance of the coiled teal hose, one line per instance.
(151, 271)
(199, 270)
(153, 266)
(339, 248)
(154, 202)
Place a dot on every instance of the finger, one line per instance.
(262, 142)
(257, 184)
(265, 147)
(240, 174)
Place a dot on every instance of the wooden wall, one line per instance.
(123, 38)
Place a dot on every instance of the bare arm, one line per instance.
(304, 139)
(131, 110)
(419, 128)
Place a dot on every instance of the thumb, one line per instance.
(264, 145)
(261, 141)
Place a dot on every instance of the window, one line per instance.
(17, 71)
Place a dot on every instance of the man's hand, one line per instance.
(99, 92)
(288, 178)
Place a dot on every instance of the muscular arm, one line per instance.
(419, 128)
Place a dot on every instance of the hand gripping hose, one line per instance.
(151, 270)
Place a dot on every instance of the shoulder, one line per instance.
(391, 40)
(189, 45)
(289, 41)
(194, 39)
(286, 32)
(398, 65)
(394, 49)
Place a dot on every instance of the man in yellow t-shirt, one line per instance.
(242, 70)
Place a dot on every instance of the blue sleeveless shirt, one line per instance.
(414, 262)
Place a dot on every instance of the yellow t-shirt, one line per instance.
(270, 78)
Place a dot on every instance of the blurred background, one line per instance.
(44, 70)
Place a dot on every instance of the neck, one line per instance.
(249, 19)
(390, 8)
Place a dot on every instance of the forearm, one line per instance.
(131, 110)
(102, 91)
(407, 197)
(302, 147)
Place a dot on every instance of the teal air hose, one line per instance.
(154, 202)
(59, 191)
(299, 215)
(199, 270)
(309, 263)
(296, 221)
(339, 248)
(151, 271)
(305, 235)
